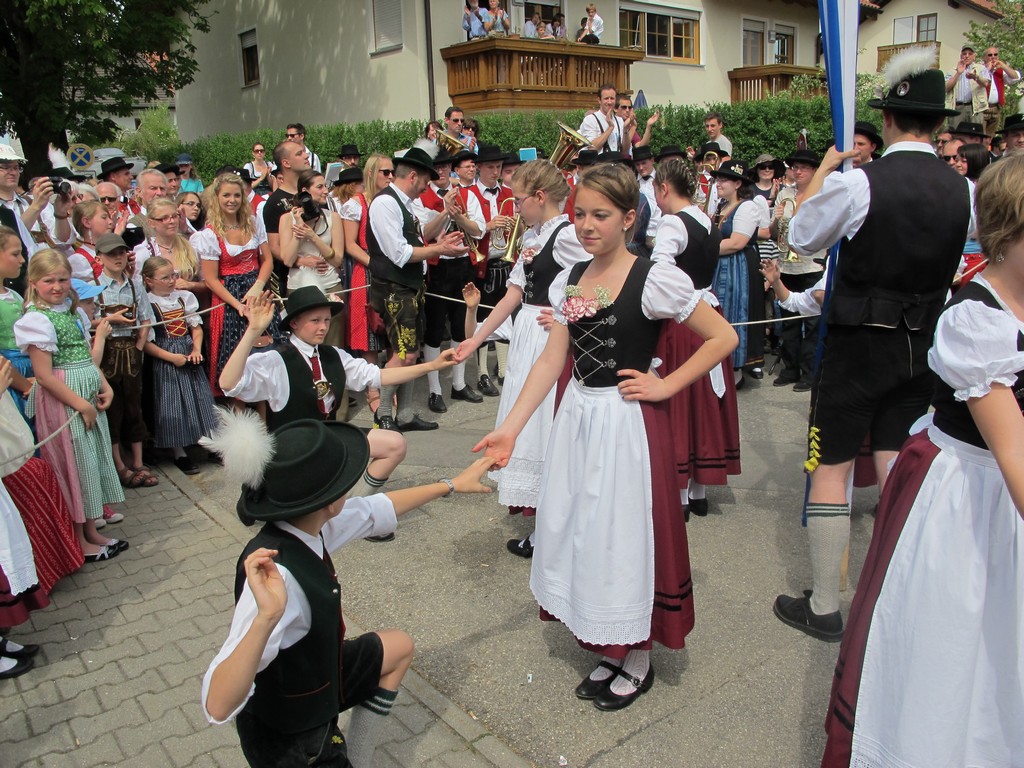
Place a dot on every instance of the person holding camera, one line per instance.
(313, 244)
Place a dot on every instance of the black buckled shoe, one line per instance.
(385, 422)
(25, 652)
(589, 689)
(468, 394)
(487, 386)
(382, 538)
(698, 507)
(523, 547)
(416, 424)
(20, 667)
(436, 403)
(609, 701)
(797, 613)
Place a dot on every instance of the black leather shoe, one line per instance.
(416, 424)
(381, 539)
(782, 380)
(385, 422)
(757, 373)
(588, 690)
(20, 668)
(436, 403)
(468, 394)
(186, 465)
(698, 507)
(487, 386)
(26, 651)
(523, 547)
(609, 701)
(802, 386)
(797, 613)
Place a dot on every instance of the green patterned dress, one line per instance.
(81, 458)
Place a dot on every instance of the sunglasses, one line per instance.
(259, 150)
(386, 171)
(457, 119)
(108, 199)
(292, 135)
(950, 158)
(625, 106)
(765, 167)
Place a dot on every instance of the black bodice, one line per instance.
(542, 271)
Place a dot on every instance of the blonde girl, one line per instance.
(167, 242)
(90, 220)
(53, 334)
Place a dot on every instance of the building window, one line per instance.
(386, 18)
(903, 30)
(250, 58)
(674, 36)
(753, 43)
(927, 28)
(784, 49)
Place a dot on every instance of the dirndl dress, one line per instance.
(11, 308)
(610, 528)
(732, 283)
(546, 251)
(183, 401)
(931, 672)
(359, 337)
(238, 266)
(80, 458)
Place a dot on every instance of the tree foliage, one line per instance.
(156, 138)
(68, 64)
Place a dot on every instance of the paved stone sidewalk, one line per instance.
(126, 643)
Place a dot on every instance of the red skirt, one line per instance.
(55, 548)
(705, 427)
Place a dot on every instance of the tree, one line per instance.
(1007, 34)
(65, 65)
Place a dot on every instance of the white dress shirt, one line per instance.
(387, 220)
(265, 376)
(595, 124)
(672, 237)
(647, 190)
(492, 199)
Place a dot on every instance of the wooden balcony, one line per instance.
(757, 83)
(886, 52)
(502, 73)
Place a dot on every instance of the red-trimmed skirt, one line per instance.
(705, 427)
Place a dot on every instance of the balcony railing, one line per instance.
(500, 73)
(757, 83)
(886, 52)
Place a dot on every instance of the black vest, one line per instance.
(951, 415)
(619, 336)
(302, 400)
(898, 267)
(301, 688)
(383, 268)
(700, 259)
(542, 271)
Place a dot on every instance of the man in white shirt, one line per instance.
(602, 127)
(967, 87)
(1003, 75)
(531, 25)
(297, 132)
(643, 163)
(593, 28)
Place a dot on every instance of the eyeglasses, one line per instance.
(191, 203)
(457, 119)
(108, 199)
(625, 106)
(163, 219)
(765, 167)
(165, 278)
(292, 135)
(10, 167)
(259, 150)
(520, 200)
(950, 158)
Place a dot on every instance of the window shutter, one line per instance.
(387, 24)
(248, 39)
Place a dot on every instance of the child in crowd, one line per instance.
(52, 332)
(90, 219)
(286, 670)
(611, 558)
(11, 308)
(125, 304)
(182, 397)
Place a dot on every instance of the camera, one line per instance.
(310, 209)
(133, 236)
(61, 186)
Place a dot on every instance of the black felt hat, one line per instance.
(1013, 123)
(710, 146)
(348, 176)
(734, 169)
(778, 167)
(671, 150)
(314, 463)
(976, 130)
(869, 132)
(112, 165)
(642, 153)
(804, 156)
(66, 173)
(585, 158)
(914, 85)
(487, 153)
(462, 156)
(418, 158)
(349, 150)
(304, 299)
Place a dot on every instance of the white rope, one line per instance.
(42, 442)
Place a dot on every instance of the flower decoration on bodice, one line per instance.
(576, 307)
(527, 254)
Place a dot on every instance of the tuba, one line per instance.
(509, 239)
(569, 144)
(450, 144)
(782, 240)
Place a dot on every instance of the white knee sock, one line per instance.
(365, 726)
(697, 490)
(601, 673)
(430, 354)
(459, 375)
(637, 664)
(501, 350)
(828, 528)
(366, 485)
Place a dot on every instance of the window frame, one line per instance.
(672, 14)
(794, 37)
(765, 30)
(375, 46)
(935, 30)
(242, 49)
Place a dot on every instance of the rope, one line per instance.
(42, 442)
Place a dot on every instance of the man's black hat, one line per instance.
(112, 165)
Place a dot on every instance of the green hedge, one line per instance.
(754, 127)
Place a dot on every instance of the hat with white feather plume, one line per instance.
(913, 85)
(297, 469)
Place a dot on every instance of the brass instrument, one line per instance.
(450, 144)
(709, 162)
(782, 240)
(510, 238)
(570, 142)
(474, 252)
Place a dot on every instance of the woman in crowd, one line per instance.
(971, 160)
(313, 249)
(365, 337)
(168, 243)
(191, 204)
(90, 220)
(190, 182)
(236, 264)
(261, 171)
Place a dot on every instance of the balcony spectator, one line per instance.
(967, 87)
(592, 27)
(532, 26)
(1002, 75)
(473, 20)
(496, 22)
(558, 26)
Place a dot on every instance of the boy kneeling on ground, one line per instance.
(286, 670)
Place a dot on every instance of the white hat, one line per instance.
(7, 154)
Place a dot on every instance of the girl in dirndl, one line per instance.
(610, 530)
(12, 306)
(182, 398)
(706, 426)
(236, 264)
(68, 384)
(931, 668)
(549, 246)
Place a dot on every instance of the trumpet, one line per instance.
(569, 144)
(474, 252)
(709, 162)
(450, 144)
(510, 238)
